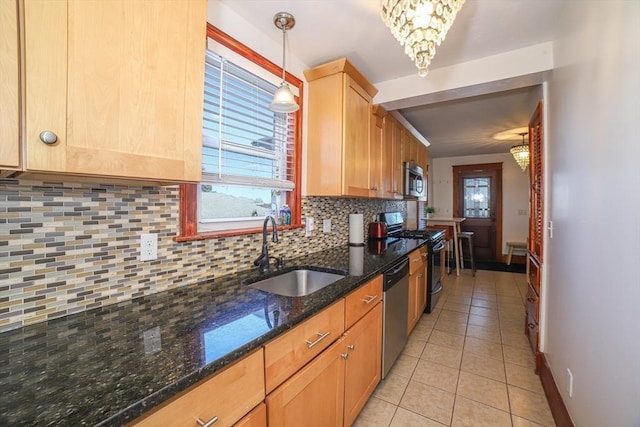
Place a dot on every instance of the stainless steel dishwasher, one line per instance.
(396, 312)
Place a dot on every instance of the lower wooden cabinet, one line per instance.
(314, 396)
(533, 302)
(255, 418)
(227, 396)
(363, 344)
(417, 289)
(292, 350)
(310, 382)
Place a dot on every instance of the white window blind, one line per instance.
(244, 143)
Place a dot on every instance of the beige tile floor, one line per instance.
(468, 363)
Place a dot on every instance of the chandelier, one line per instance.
(521, 153)
(420, 26)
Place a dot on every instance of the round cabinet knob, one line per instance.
(48, 137)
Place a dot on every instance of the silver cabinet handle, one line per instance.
(209, 423)
(351, 346)
(321, 336)
(344, 355)
(48, 137)
(369, 299)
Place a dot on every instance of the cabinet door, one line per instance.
(398, 159)
(357, 126)
(314, 396)
(120, 83)
(388, 157)
(363, 345)
(422, 157)
(376, 159)
(413, 301)
(422, 294)
(9, 85)
(255, 418)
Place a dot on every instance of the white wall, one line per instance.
(515, 192)
(591, 289)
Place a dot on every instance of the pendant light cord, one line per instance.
(284, 32)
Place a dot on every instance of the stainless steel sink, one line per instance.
(297, 283)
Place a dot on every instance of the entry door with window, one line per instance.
(478, 198)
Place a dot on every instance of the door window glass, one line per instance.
(477, 197)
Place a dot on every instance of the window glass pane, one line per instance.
(248, 150)
(241, 136)
(477, 197)
(224, 201)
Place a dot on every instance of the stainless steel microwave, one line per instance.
(415, 186)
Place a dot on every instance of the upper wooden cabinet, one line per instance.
(9, 86)
(391, 180)
(377, 178)
(339, 128)
(119, 83)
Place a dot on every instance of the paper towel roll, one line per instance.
(356, 260)
(356, 229)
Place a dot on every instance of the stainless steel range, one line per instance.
(435, 253)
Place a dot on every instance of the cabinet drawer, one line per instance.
(415, 261)
(533, 303)
(292, 350)
(359, 302)
(228, 395)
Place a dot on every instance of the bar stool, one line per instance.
(468, 237)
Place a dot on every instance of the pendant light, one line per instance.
(283, 99)
(521, 153)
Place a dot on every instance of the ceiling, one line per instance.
(329, 29)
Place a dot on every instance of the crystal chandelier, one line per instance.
(521, 153)
(420, 26)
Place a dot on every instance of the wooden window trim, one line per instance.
(189, 192)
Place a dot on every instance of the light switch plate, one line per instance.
(309, 227)
(326, 225)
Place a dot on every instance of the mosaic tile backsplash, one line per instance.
(70, 247)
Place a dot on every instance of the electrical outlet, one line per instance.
(148, 247)
(152, 341)
(326, 225)
(570, 382)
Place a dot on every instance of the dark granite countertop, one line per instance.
(94, 367)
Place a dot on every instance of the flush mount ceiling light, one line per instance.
(283, 99)
(521, 153)
(420, 26)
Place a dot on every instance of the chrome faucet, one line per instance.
(263, 260)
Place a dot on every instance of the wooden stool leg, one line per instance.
(473, 262)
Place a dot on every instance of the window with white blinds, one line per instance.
(247, 149)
